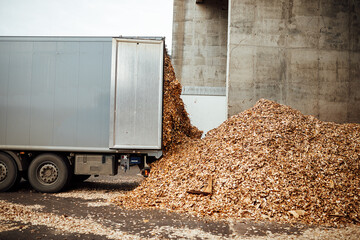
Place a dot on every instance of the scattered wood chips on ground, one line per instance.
(270, 162)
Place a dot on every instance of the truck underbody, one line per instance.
(53, 171)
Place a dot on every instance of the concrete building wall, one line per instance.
(199, 51)
(303, 53)
(200, 43)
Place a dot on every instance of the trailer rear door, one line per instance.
(136, 94)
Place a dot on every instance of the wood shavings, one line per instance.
(297, 213)
(207, 191)
(27, 215)
(266, 162)
(176, 122)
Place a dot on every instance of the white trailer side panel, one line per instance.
(55, 95)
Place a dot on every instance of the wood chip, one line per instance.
(266, 162)
(176, 122)
(297, 213)
(207, 191)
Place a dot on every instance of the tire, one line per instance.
(49, 173)
(9, 174)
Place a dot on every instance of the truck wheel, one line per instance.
(48, 173)
(9, 174)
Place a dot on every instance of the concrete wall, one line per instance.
(200, 42)
(199, 51)
(303, 53)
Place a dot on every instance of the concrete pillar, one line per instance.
(303, 53)
(200, 42)
(199, 57)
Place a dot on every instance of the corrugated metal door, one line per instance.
(137, 89)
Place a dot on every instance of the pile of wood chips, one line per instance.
(267, 163)
(176, 123)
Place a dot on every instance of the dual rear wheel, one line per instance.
(9, 174)
(46, 173)
(49, 173)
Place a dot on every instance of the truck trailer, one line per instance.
(72, 107)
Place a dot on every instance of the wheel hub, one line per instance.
(3, 171)
(48, 173)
